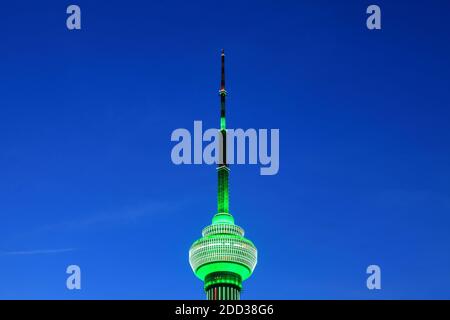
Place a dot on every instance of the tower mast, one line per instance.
(222, 93)
(223, 170)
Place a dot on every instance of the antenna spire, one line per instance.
(222, 93)
(223, 215)
(222, 83)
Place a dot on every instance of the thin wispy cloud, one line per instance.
(85, 222)
(130, 215)
(36, 252)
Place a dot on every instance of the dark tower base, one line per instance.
(223, 286)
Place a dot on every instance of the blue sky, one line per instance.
(85, 123)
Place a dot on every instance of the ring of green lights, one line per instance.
(223, 252)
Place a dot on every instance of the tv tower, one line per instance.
(223, 258)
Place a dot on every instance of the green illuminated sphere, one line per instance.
(223, 249)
